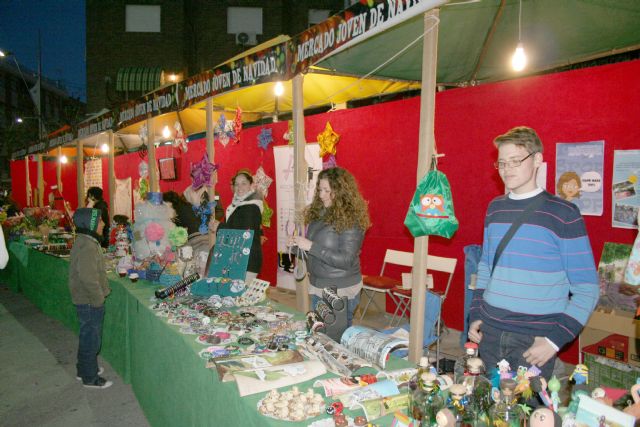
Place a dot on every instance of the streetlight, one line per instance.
(278, 90)
(35, 98)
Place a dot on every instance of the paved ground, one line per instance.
(37, 371)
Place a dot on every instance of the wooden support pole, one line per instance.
(211, 153)
(425, 154)
(154, 184)
(59, 170)
(300, 172)
(40, 181)
(80, 172)
(111, 172)
(28, 181)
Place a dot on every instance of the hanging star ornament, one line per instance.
(289, 135)
(265, 138)
(143, 133)
(327, 139)
(237, 125)
(262, 182)
(267, 213)
(223, 130)
(179, 141)
(201, 172)
(330, 162)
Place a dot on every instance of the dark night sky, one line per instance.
(62, 31)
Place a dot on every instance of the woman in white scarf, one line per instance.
(245, 213)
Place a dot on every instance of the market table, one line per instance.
(169, 378)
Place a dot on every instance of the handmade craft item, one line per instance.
(327, 139)
(265, 138)
(292, 405)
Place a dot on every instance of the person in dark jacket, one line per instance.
(95, 200)
(337, 219)
(245, 213)
(89, 288)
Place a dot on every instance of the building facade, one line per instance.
(136, 46)
(18, 113)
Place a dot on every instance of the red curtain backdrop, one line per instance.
(379, 146)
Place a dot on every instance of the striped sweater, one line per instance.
(545, 282)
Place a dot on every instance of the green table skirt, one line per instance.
(168, 377)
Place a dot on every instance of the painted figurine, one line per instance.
(504, 369)
(545, 417)
(554, 388)
(580, 374)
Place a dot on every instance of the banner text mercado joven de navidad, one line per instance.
(362, 19)
(260, 67)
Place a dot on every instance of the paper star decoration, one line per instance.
(237, 125)
(142, 133)
(265, 138)
(201, 172)
(262, 181)
(224, 130)
(267, 213)
(328, 140)
(330, 162)
(289, 135)
(179, 141)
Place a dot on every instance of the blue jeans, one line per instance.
(352, 303)
(90, 340)
(497, 344)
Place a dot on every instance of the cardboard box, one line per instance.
(603, 324)
(605, 372)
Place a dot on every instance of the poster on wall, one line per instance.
(625, 198)
(92, 174)
(579, 171)
(285, 199)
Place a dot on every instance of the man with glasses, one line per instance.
(536, 291)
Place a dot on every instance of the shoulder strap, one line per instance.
(526, 213)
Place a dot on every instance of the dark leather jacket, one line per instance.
(334, 258)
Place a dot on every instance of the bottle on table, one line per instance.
(506, 412)
(460, 367)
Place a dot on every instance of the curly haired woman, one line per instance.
(337, 219)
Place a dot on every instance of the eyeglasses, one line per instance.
(511, 163)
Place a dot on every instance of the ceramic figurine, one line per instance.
(539, 385)
(545, 417)
(445, 418)
(634, 408)
(580, 374)
(504, 369)
(554, 388)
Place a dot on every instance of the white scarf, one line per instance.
(247, 199)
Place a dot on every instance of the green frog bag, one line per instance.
(431, 210)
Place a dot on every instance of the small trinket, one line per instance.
(360, 421)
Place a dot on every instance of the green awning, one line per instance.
(139, 79)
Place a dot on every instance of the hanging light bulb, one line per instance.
(519, 59)
(278, 89)
(166, 132)
(104, 148)
(64, 160)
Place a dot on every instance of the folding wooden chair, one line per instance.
(382, 283)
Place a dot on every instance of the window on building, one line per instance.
(316, 16)
(245, 23)
(142, 19)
